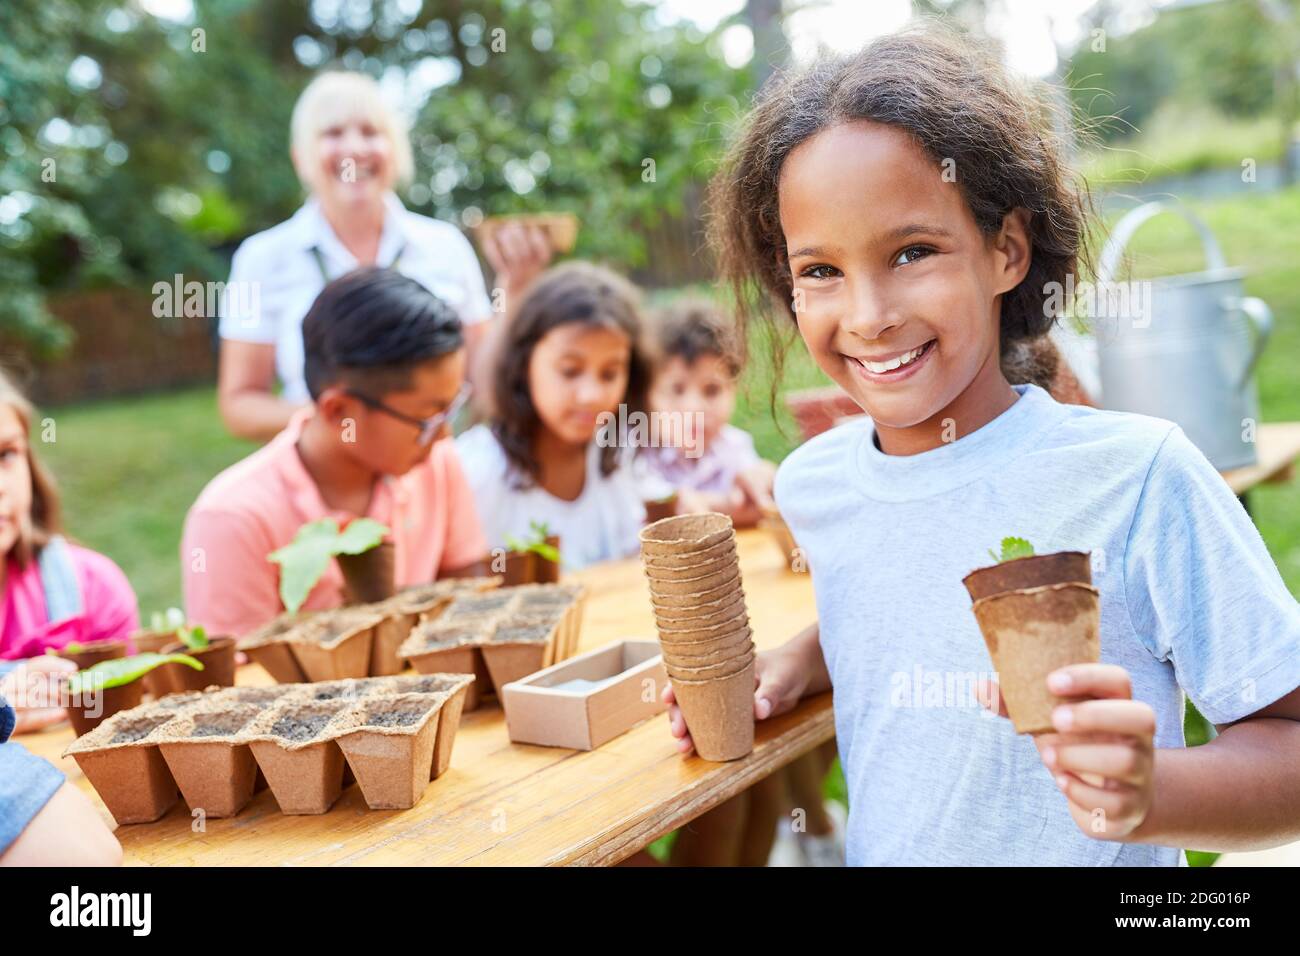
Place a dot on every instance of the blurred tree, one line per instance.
(613, 117)
(1217, 54)
(169, 138)
(770, 45)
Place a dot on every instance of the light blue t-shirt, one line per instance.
(1190, 602)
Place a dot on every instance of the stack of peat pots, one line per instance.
(703, 626)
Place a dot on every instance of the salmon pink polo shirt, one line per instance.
(257, 505)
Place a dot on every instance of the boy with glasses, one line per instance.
(385, 366)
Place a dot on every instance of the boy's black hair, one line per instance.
(369, 328)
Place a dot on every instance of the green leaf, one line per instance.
(124, 670)
(361, 535)
(304, 560)
(195, 638)
(548, 551)
(535, 542)
(1013, 548)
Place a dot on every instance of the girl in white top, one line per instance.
(349, 150)
(570, 358)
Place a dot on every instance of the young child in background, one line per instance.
(55, 592)
(909, 287)
(697, 357)
(571, 355)
(385, 365)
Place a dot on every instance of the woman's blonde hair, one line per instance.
(46, 517)
(335, 96)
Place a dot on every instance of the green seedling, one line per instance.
(1013, 548)
(124, 670)
(535, 542)
(195, 638)
(304, 560)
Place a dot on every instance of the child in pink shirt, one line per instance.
(385, 365)
(55, 592)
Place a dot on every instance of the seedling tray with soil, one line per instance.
(214, 770)
(328, 645)
(336, 643)
(269, 646)
(499, 637)
(212, 746)
(403, 610)
(124, 766)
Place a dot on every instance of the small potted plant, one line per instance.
(217, 655)
(1037, 613)
(659, 508)
(363, 556)
(535, 559)
(102, 690)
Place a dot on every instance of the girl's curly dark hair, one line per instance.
(958, 103)
(576, 292)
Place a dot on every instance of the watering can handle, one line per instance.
(1261, 317)
(1132, 220)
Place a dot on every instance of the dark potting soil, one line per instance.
(139, 729)
(258, 695)
(218, 725)
(292, 727)
(533, 632)
(177, 701)
(449, 637)
(546, 599)
(549, 616)
(479, 604)
(428, 685)
(394, 718)
(338, 693)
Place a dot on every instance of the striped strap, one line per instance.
(59, 580)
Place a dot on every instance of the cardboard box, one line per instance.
(585, 701)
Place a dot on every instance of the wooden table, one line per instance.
(1277, 446)
(512, 804)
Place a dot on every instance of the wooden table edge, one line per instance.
(723, 782)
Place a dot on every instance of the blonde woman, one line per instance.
(349, 149)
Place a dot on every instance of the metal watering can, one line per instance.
(1188, 351)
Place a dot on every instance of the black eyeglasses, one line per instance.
(429, 427)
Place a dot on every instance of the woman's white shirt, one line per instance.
(601, 524)
(275, 277)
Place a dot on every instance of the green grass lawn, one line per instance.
(130, 468)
